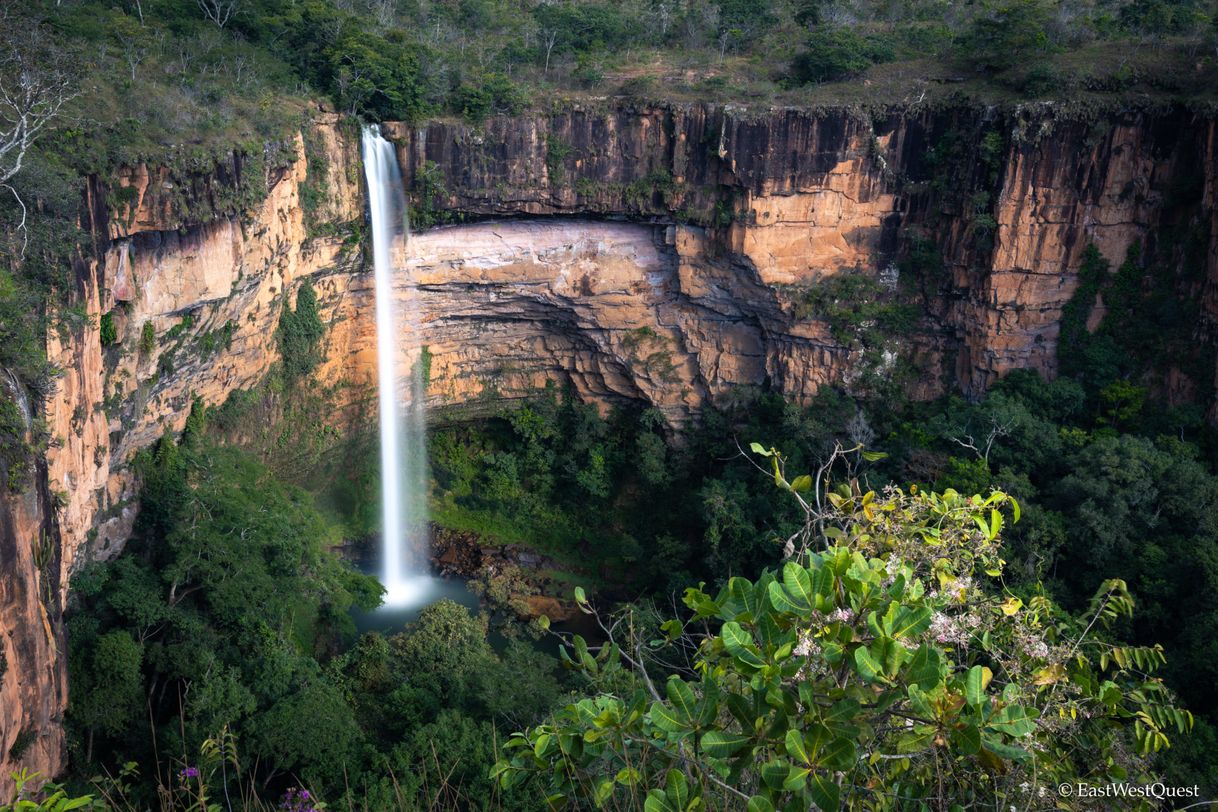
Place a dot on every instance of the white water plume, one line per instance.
(404, 476)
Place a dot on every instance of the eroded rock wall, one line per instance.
(33, 691)
(1007, 200)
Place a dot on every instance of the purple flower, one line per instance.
(190, 772)
(297, 800)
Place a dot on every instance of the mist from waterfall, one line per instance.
(400, 379)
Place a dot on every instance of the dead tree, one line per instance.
(219, 11)
(35, 84)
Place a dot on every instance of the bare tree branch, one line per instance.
(25, 236)
(33, 89)
(219, 11)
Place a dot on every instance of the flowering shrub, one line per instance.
(298, 800)
(888, 668)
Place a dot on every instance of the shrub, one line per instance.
(1007, 33)
(147, 338)
(487, 95)
(108, 333)
(832, 55)
(890, 638)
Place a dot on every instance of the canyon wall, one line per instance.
(1006, 201)
(661, 254)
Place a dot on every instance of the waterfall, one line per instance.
(404, 476)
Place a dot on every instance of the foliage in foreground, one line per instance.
(888, 667)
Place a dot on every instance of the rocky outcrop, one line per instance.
(652, 253)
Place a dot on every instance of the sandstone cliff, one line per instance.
(33, 691)
(651, 253)
(1007, 201)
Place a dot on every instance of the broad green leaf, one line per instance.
(916, 740)
(657, 801)
(759, 803)
(825, 793)
(975, 681)
(774, 773)
(627, 776)
(580, 595)
(721, 744)
(801, 483)
(920, 702)
(745, 599)
(911, 622)
(1006, 751)
(796, 748)
(840, 718)
(669, 719)
(926, 667)
(866, 665)
(676, 787)
(796, 779)
(839, 754)
(682, 697)
(799, 585)
(604, 789)
(1014, 720)
(782, 602)
(739, 644)
(758, 448)
(967, 740)
(889, 654)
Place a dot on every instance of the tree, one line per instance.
(446, 648)
(1007, 33)
(219, 12)
(114, 687)
(889, 666)
(35, 84)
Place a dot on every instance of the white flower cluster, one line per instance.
(891, 568)
(1025, 787)
(841, 615)
(953, 630)
(959, 589)
(806, 647)
(1032, 646)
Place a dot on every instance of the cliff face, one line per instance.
(33, 691)
(657, 254)
(1005, 203)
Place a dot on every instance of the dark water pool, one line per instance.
(428, 589)
(421, 592)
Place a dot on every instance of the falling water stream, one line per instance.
(403, 562)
